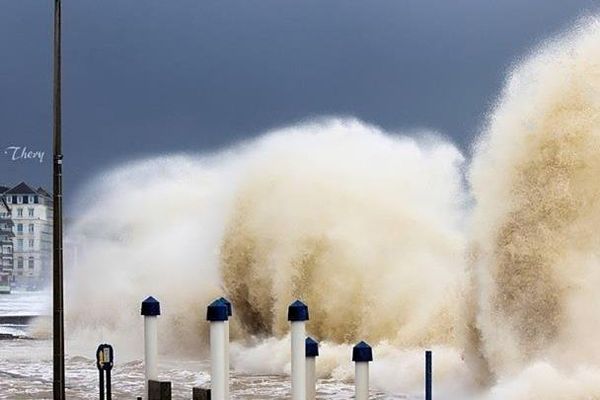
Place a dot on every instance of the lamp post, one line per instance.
(58, 384)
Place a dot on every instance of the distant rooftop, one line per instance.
(23, 188)
(43, 192)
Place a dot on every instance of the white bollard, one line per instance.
(362, 354)
(298, 315)
(217, 315)
(311, 353)
(150, 311)
(227, 370)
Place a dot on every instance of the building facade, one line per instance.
(30, 215)
(6, 245)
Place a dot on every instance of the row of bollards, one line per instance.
(304, 351)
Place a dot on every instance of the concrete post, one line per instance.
(362, 354)
(158, 390)
(227, 356)
(150, 311)
(200, 393)
(217, 315)
(298, 315)
(311, 353)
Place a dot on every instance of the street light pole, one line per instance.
(57, 231)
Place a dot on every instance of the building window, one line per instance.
(31, 243)
(25, 199)
(30, 199)
(19, 212)
(19, 228)
(19, 244)
(30, 228)
(9, 199)
(30, 263)
(20, 262)
(31, 212)
(36, 199)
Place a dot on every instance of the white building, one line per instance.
(31, 216)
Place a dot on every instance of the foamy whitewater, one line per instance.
(391, 238)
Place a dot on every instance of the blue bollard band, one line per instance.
(362, 352)
(297, 311)
(312, 347)
(228, 304)
(150, 307)
(217, 311)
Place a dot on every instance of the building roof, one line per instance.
(3, 189)
(21, 188)
(43, 192)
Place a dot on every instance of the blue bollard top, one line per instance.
(362, 352)
(312, 347)
(150, 307)
(297, 311)
(228, 304)
(217, 311)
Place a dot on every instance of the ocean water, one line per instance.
(25, 303)
(26, 373)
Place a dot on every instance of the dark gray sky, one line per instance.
(155, 76)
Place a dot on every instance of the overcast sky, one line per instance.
(154, 76)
